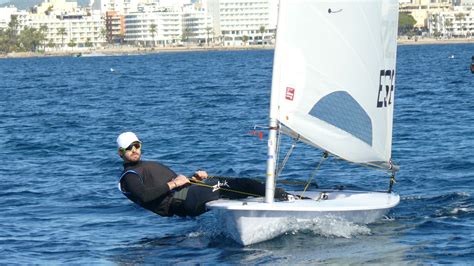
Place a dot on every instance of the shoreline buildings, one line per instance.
(441, 18)
(149, 23)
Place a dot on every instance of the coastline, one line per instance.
(422, 41)
(129, 50)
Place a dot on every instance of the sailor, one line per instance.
(159, 189)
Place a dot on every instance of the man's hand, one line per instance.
(178, 181)
(199, 175)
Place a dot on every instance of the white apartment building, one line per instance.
(80, 29)
(458, 22)
(197, 25)
(234, 19)
(172, 26)
(119, 6)
(167, 23)
(5, 16)
(421, 9)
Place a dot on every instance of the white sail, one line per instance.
(334, 75)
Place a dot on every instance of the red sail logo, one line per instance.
(290, 93)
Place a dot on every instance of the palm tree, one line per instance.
(262, 31)
(62, 32)
(223, 38)
(448, 27)
(50, 44)
(208, 30)
(43, 31)
(88, 43)
(153, 31)
(71, 44)
(103, 34)
(12, 33)
(186, 34)
(245, 39)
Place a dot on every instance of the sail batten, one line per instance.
(335, 86)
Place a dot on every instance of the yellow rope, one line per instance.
(200, 183)
(262, 180)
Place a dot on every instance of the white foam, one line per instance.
(211, 227)
(330, 227)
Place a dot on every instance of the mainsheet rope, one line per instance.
(200, 183)
(261, 179)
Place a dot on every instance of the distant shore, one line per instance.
(130, 50)
(421, 41)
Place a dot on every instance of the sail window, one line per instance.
(342, 111)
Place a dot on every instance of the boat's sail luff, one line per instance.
(334, 75)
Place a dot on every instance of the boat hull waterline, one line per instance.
(249, 221)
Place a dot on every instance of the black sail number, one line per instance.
(386, 87)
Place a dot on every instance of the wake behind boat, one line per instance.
(332, 88)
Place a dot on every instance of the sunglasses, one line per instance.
(136, 145)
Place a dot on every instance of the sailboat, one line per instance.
(332, 88)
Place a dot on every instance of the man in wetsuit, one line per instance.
(157, 188)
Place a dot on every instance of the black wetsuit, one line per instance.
(145, 183)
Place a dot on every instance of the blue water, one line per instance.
(59, 118)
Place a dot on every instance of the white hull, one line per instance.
(251, 220)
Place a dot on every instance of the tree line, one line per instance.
(29, 39)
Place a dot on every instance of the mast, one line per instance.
(273, 125)
(271, 160)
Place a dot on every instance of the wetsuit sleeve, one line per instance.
(134, 185)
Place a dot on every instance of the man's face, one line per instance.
(132, 153)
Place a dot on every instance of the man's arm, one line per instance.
(134, 185)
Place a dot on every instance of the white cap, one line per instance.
(125, 139)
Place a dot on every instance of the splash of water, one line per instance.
(329, 227)
(210, 227)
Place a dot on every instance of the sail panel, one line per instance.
(341, 110)
(334, 75)
(330, 138)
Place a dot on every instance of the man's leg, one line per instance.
(195, 202)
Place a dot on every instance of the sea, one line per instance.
(60, 116)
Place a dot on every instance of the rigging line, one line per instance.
(323, 158)
(200, 183)
(285, 160)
